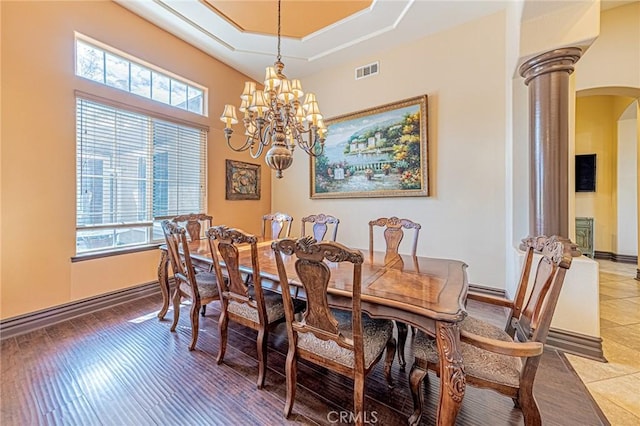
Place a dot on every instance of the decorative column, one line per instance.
(547, 77)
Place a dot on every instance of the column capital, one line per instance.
(548, 62)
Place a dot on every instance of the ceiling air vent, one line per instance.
(367, 70)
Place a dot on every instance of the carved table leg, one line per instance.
(452, 380)
(163, 280)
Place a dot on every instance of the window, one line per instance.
(113, 68)
(133, 170)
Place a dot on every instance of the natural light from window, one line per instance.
(105, 65)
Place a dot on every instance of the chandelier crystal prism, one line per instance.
(274, 116)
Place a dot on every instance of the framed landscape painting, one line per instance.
(243, 181)
(379, 152)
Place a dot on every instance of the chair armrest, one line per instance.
(493, 300)
(519, 349)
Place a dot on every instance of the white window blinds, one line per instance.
(133, 170)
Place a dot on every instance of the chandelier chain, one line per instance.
(279, 56)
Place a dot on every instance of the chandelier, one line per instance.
(274, 116)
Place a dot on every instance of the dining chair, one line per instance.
(193, 223)
(504, 361)
(278, 222)
(347, 342)
(320, 225)
(198, 286)
(393, 235)
(247, 304)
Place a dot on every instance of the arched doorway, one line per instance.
(607, 127)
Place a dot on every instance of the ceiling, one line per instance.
(316, 34)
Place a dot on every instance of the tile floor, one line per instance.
(615, 385)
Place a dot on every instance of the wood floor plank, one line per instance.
(123, 366)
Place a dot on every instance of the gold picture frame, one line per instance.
(242, 180)
(378, 152)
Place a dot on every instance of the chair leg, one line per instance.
(416, 378)
(530, 410)
(388, 361)
(176, 308)
(402, 339)
(358, 399)
(291, 370)
(222, 329)
(261, 343)
(195, 324)
(204, 310)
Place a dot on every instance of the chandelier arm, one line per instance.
(262, 140)
(315, 141)
(244, 147)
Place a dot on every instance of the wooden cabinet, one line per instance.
(584, 235)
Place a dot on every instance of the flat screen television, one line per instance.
(586, 173)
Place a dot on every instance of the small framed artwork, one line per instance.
(378, 152)
(243, 180)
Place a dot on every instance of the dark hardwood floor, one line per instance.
(121, 366)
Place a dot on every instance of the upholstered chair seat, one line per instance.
(479, 363)
(375, 333)
(207, 285)
(273, 304)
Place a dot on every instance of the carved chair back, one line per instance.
(194, 222)
(320, 225)
(233, 288)
(535, 317)
(314, 275)
(393, 233)
(179, 256)
(278, 222)
(530, 246)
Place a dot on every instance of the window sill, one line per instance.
(113, 252)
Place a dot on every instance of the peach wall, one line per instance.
(38, 146)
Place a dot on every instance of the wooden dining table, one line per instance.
(427, 293)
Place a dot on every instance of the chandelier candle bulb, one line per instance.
(275, 117)
(308, 100)
(285, 92)
(259, 103)
(296, 88)
(229, 116)
(249, 89)
(244, 106)
(271, 79)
